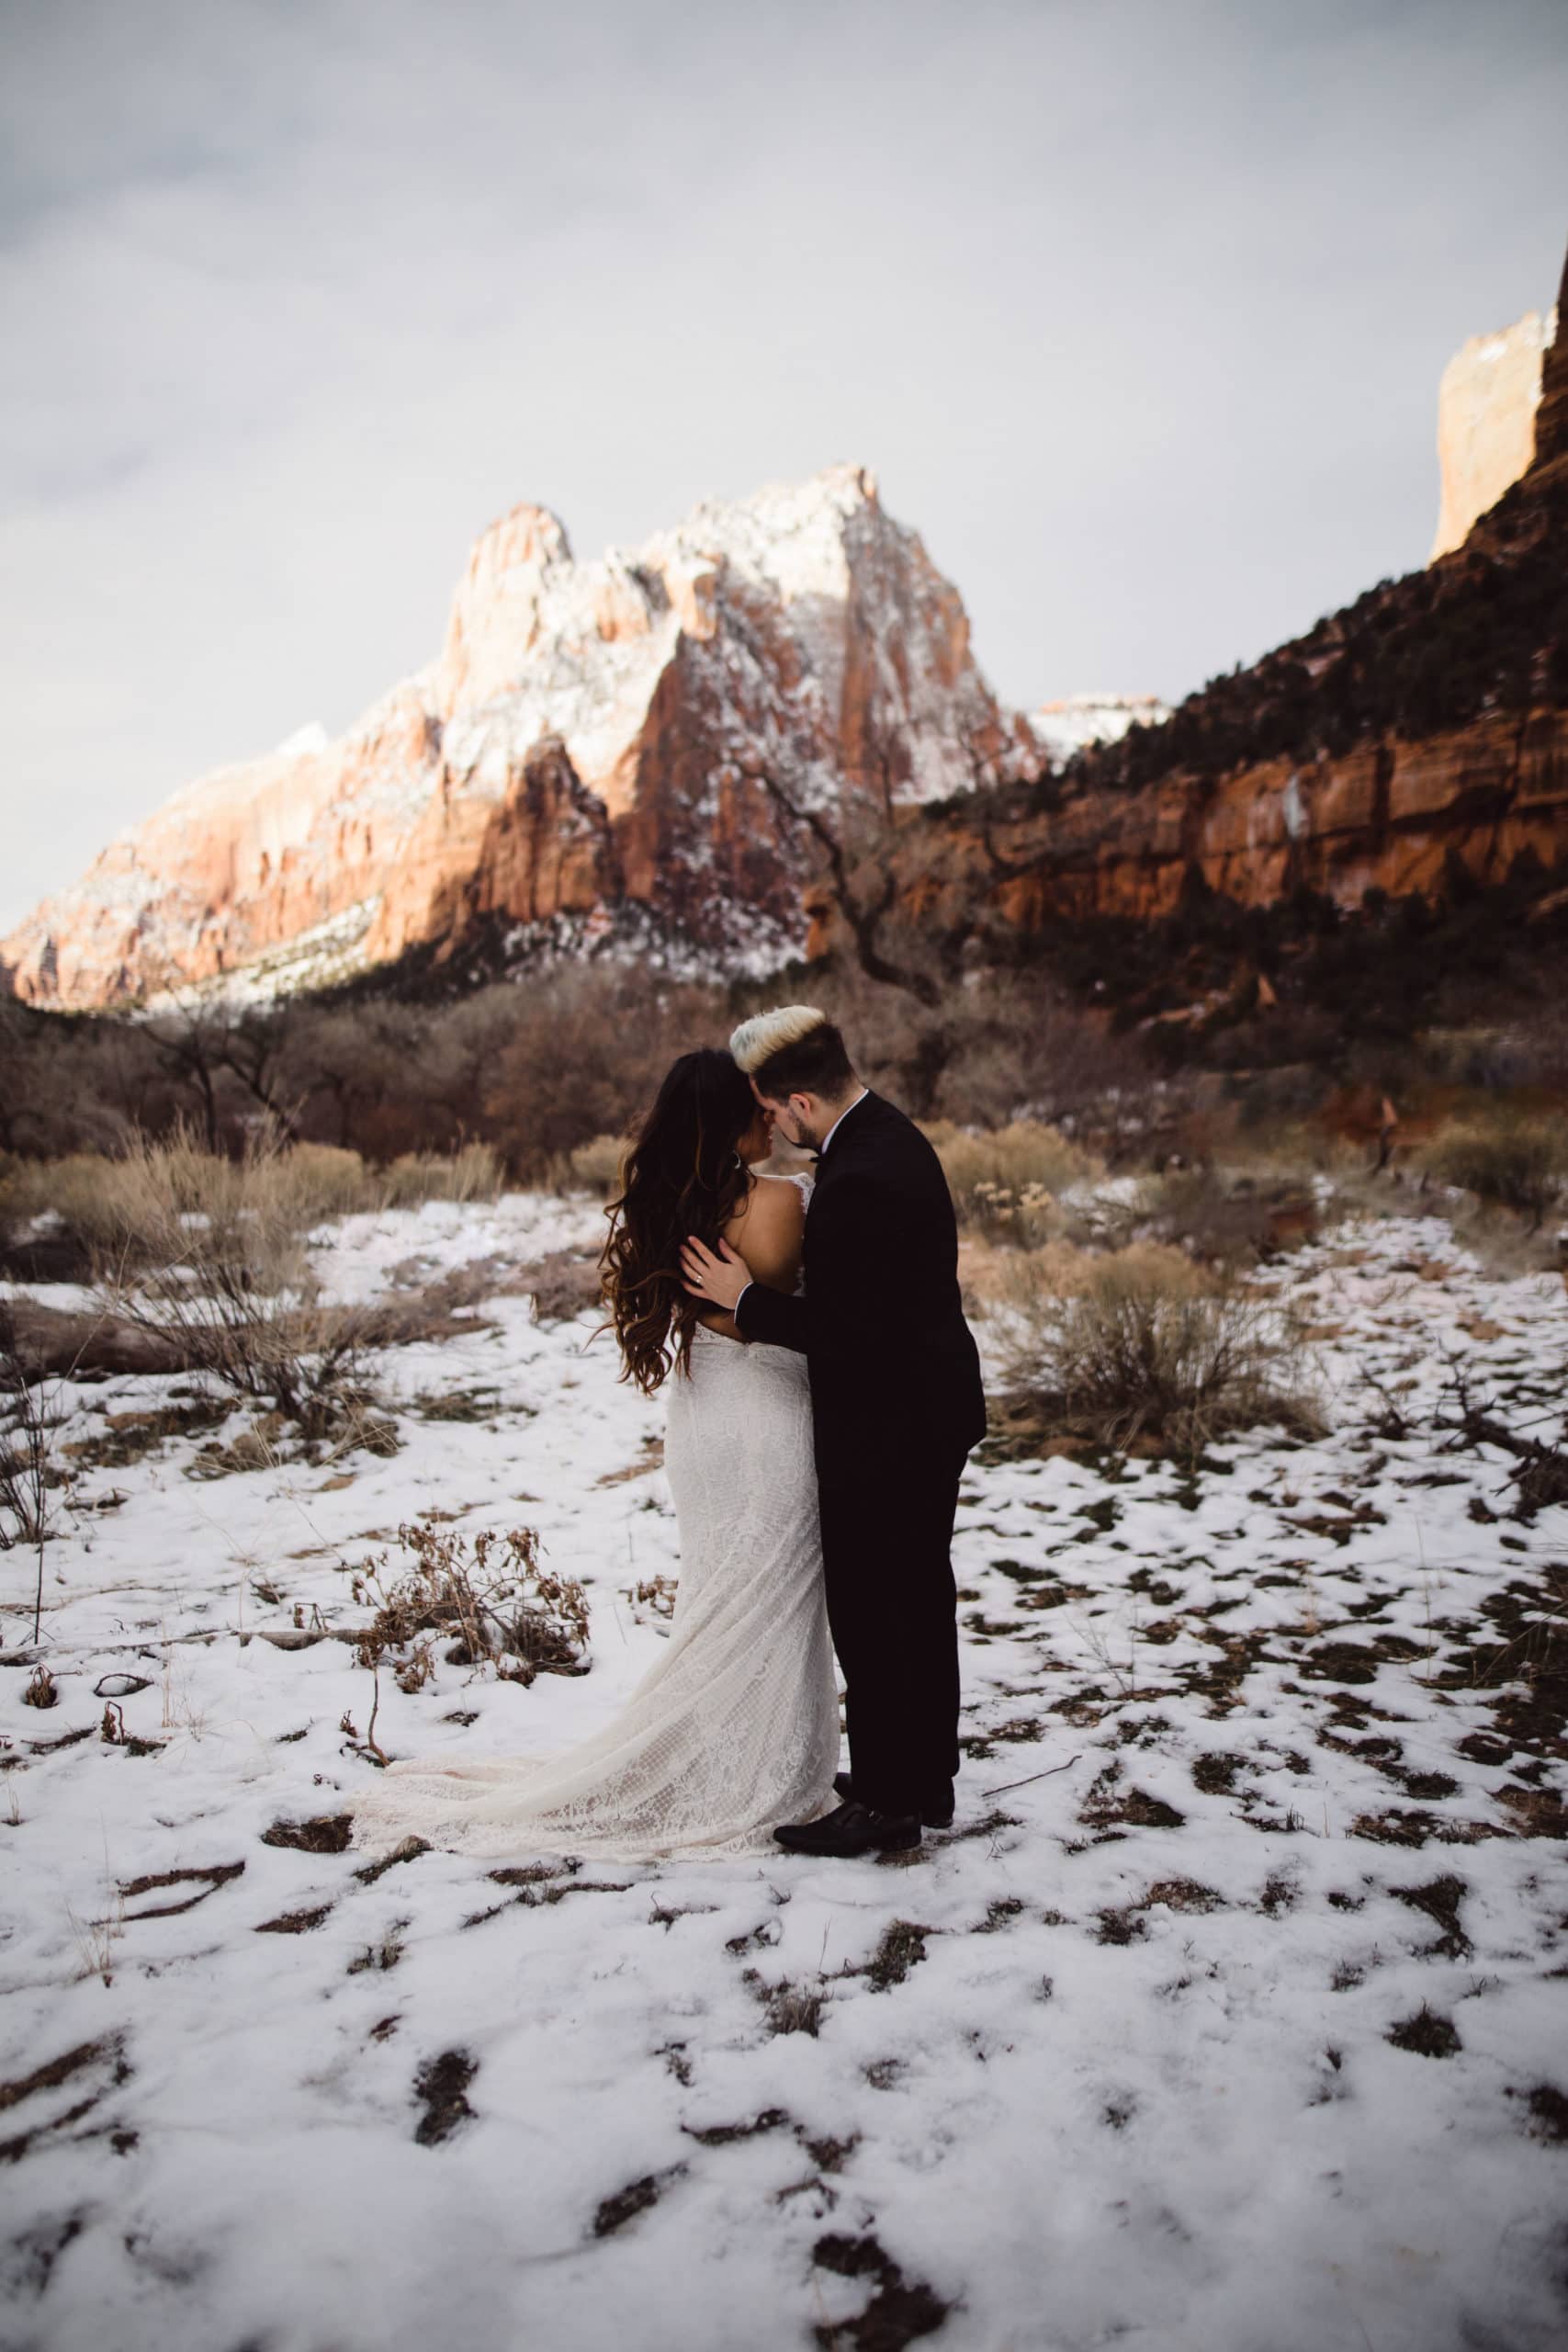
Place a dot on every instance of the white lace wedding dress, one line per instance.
(735, 1729)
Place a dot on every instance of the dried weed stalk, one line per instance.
(490, 1603)
(30, 1417)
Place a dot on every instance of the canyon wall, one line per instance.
(1388, 816)
(1419, 734)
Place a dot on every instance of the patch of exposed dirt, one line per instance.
(903, 1947)
(637, 2197)
(442, 2083)
(1429, 2034)
(1108, 1804)
(1440, 1900)
(323, 1833)
(901, 2309)
(208, 1880)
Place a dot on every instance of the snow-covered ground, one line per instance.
(1250, 1786)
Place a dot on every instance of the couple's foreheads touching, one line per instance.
(799, 1068)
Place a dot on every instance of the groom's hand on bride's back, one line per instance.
(716, 1281)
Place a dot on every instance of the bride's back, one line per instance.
(767, 1229)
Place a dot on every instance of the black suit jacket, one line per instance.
(894, 1371)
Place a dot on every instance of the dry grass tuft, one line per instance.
(122, 1205)
(1141, 1345)
(563, 1285)
(208, 1257)
(1515, 1158)
(474, 1172)
(594, 1167)
(1005, 1182)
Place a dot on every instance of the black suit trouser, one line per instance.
(892, 1609)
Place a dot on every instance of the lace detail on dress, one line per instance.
(735, 1729)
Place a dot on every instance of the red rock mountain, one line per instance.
(1422, 730)
(635, 747)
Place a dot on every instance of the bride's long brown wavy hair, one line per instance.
(682, 1175)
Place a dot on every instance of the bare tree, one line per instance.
(863, 888)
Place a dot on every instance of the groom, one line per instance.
(897, 1403)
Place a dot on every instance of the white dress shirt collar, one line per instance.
(839, 1120)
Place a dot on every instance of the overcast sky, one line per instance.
(1136, 308)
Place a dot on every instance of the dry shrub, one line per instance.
(491, 1604)
(1516, 1158)
(1005, 1184)
(653, 1599)
(209, 1255)
(1228, 1220)
(123, 1205)
(306, 1183)
(129, 1206)
(1062, 1270)
(474, 1172)
(562, 1284)
(87, 1193)
(1140, 1345)
(594, 1166)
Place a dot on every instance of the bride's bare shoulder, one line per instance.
(768, 1229)
(773, 1204)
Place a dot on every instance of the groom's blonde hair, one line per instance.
(766, 1033)
(795, 1049)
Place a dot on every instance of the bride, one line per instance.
(735, 1727)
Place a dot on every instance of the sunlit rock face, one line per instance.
(1390, 816)
(637, 740)
(1486, 422)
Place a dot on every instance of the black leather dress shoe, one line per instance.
(932, 1816)
(853, 1829)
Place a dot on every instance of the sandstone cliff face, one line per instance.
(632, 744)
(1486, 422)
(1425, 727)
(1387, 816)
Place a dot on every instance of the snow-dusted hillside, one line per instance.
(1066, 726)
(1229, 2015)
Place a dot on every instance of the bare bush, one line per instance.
(1227, 1219)
(490, 1603)
(1516, 1158)
(1005, 1182)
(473, 1172)
(597, 1166)
(1138, 1350)
(209, 1255)
(563, 1285)
(589, 1059)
